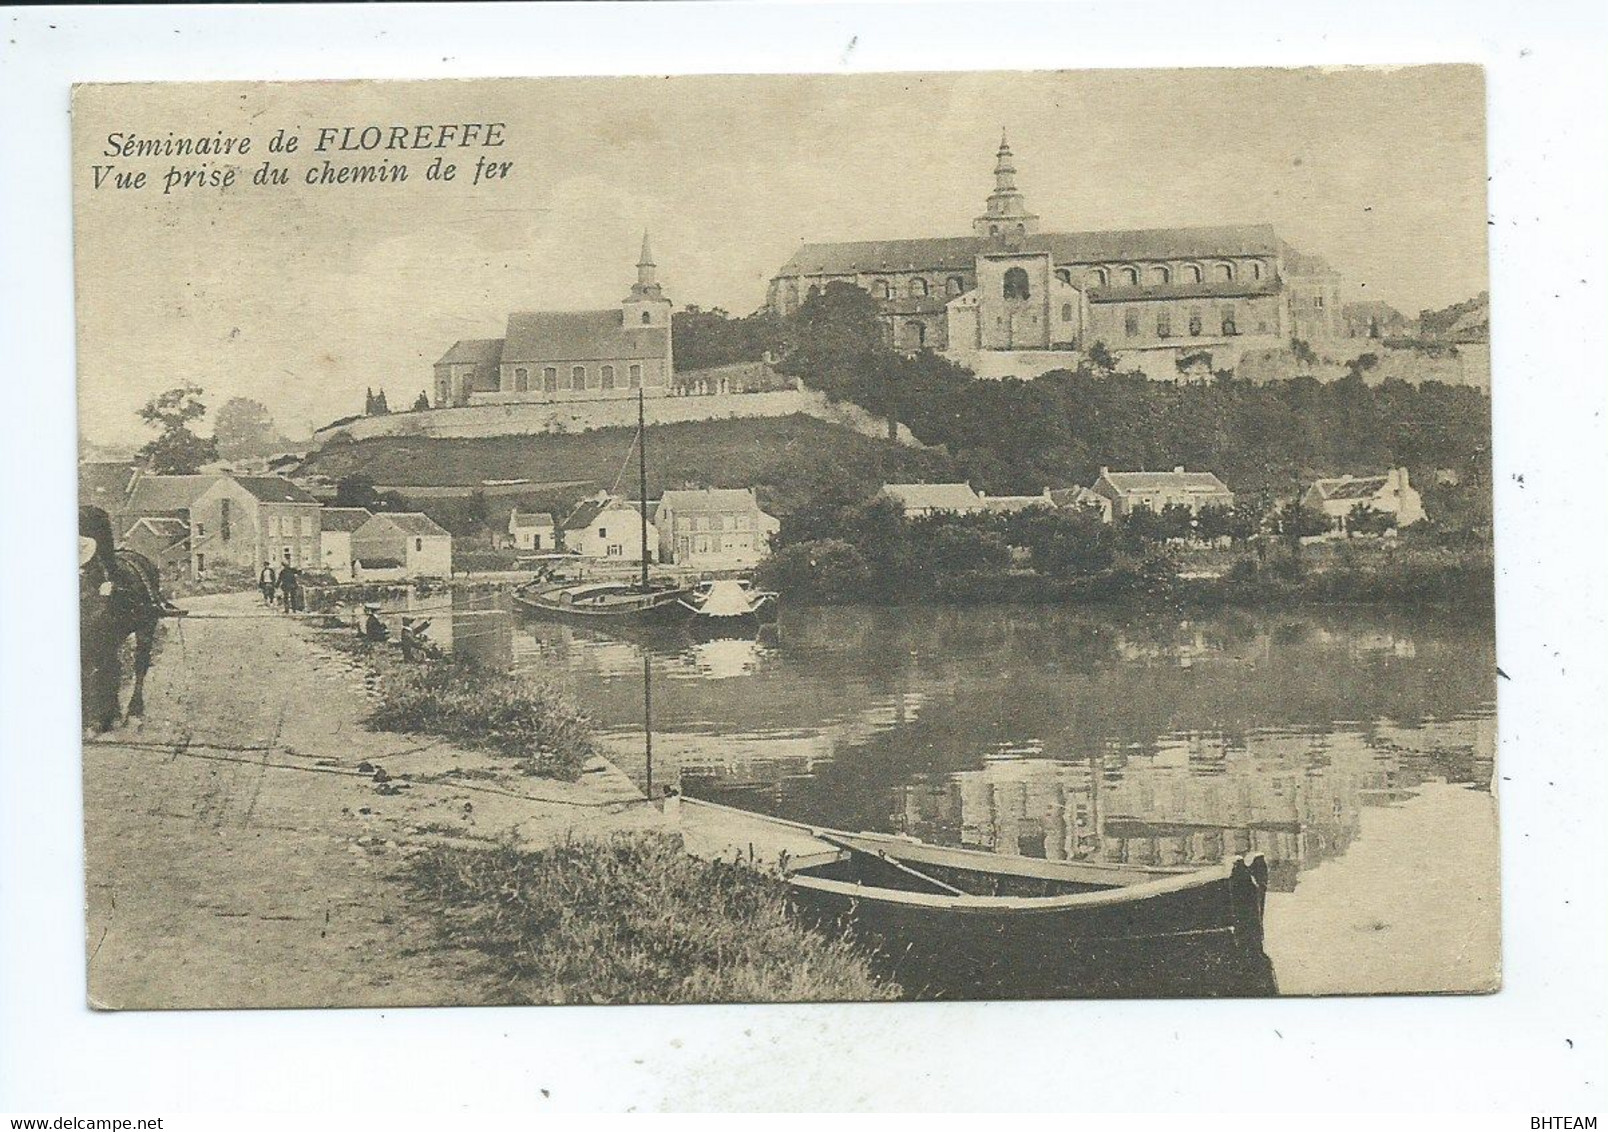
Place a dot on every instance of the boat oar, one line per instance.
(894, 861)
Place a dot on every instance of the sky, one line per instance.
(303, 296)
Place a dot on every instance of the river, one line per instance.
(1354, 749)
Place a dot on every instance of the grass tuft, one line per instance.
(633, 919)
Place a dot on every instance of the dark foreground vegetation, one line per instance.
(633, 919)
(478, 707)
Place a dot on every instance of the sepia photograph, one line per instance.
(796, 538)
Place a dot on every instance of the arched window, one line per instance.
(550, 379)
(1164, 324)
(1062, 275)
(915, 334)
(993, 229)
(1223, 272)
(608, 377)
(521, 379)
(1100, 277)
(1066, 312)
(635, 377)
(814, 292)
(1129, 276)
(955, 285)
(881, 289)
(577, 377)
(792, 294)
(1021, 229)
(1161, 273)
(647, 318)
(1229, 329)
(1016, 285)
(1130, 322)
(1191, 273)
(918, 288)
(1194, 322)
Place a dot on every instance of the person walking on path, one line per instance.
(266, 582)
(289, 588)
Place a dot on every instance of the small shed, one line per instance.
(409, 543)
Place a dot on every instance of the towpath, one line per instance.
(240, 850)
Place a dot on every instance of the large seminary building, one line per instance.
(567, 355)
(1009, 299)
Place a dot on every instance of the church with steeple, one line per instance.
(1010, 299)
(550, 356)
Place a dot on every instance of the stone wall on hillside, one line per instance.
(1469, 365)
(537, 418)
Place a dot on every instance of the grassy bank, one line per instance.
(632, 919)
(477, 707)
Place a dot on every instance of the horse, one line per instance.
(119, 596)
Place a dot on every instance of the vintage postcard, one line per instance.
(786, 538)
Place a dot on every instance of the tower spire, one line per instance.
(1006, 214)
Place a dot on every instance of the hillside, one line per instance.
(778, 455)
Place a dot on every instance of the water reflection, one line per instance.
(1045, 732)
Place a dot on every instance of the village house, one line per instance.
(715, 528)
(337, 526)
(609, 527)
(1080, 498)
(403, 544)
(1129, 491)
(242, 522)
(164, 540)
(532, 530)
(1390, 494)
(918, 499)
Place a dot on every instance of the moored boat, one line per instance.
(965, 923)
(605, 601)
(729, 605)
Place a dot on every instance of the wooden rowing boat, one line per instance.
(965, 923)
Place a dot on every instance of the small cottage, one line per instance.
(339, 524)
(1390, 494)
(919, 499)
(403, 544)
(1129, 491)
(532, 530)
(608, 527)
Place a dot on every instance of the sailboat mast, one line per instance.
(642, 480)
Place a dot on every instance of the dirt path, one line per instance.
(236, 855)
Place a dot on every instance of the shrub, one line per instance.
(634, 919)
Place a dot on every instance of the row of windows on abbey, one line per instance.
(580, 377)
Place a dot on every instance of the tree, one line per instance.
(177, 450)
(1101, 358)
(244, 428)
(1366, 520)
(422, 401)
(358, 490)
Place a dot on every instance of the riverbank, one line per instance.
(253, 843)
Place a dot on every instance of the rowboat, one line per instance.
(966, 923)
(728, 605)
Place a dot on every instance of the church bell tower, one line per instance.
(646, 305)
(1006, 217)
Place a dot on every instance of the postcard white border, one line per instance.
(1548, 194)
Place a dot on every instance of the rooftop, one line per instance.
(477, 350)
(956, 253)
(343, 518)
(579, 336)
(274, 489)
(1175, 480)
(409, 523)
(935, 496)
(167, 493)
(709, 499)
